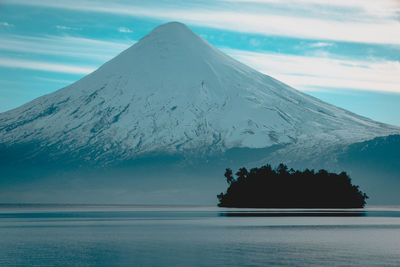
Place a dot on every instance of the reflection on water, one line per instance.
(110, 235)
(318, 213)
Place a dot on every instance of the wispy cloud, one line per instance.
(385, 31)
(45, 66)
(54, 80)
(63, 27)
(306, 72)
(66, 46)
(381, 9)
(320, 44)
(6, 24)
(124, 30)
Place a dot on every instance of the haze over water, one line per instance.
(84, 235)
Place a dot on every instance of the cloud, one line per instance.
(6, 24)
(320, 44)
(45, 66)
(62, 27)
(307, 28)
(254, 42)
(124, 30)
(54, 80)
(366, 30)
(65, 46)
(307, 72)
(382, 8)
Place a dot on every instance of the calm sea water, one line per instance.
(83, 235)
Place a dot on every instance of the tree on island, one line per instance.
(266, 187)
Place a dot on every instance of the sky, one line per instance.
(345, 52)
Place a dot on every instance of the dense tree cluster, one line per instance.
(266, 187)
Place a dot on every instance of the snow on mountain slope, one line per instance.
(173, 92)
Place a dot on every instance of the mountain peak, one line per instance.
(171, 33)
(172, 26)
(171, 58)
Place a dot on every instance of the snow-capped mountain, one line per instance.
(161, 121)
(173, 92)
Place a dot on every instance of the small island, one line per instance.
(266, 187)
